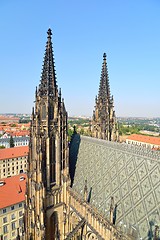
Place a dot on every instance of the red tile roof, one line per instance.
(13, 152)
(20, 133)
(10, 118)
(13, 190)
(145, 139)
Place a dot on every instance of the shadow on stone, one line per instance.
(73, 154)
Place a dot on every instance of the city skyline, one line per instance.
(82, 32)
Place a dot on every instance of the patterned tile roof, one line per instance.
(128, 173)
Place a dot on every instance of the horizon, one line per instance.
(82, 116)
(128, 32)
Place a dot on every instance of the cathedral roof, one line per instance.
(128, 173)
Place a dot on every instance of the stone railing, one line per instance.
(94, 219)
(74, 231)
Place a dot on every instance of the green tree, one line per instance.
(1, 147)
(13, 125)
(70, 132)
(82, 131)
(11, 142)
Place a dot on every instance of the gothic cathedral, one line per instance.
(54, 210)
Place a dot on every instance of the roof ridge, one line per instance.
(137, 150)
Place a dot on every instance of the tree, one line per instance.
(11, 142)
(13, 125)
(1, 147)
(70, 132)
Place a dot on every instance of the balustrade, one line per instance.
(94, 219)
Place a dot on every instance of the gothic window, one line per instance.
(43, 112)
(51, 112)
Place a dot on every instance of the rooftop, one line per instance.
(128, 173)
(12, 190)
(145, 139)
(13, 152)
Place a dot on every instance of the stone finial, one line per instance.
(111, 209)
(49, 32)
(74, 129)
(104, 56)
(59, 92)
(85, 191)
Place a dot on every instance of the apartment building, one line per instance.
(12, 201)
(145, 141)
(13, 161)
(18, 141)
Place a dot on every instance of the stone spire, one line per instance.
(104, 123)
(48, 173)
(104, 88)
(48, 84)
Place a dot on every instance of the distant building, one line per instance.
(2, 130)
(8, 119)
(21, 133)
(13, 161)
(12, 200)
(145, 141)
(18, 141)
(5, 142)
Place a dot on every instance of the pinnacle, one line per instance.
(104, 56)
(48, 76)
(49, 32)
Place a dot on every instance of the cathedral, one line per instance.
(93, 187)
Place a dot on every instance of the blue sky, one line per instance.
(127, 30)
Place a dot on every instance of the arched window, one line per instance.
(43, 112)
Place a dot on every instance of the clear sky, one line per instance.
(127, 30)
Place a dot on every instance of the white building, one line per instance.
(18, 141)
(13, 161)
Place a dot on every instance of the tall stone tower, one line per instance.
(48, 171)
(104, 124)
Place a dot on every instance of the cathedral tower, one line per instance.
(48, 175)
(104, 124)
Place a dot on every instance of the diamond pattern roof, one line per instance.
(128, 173)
